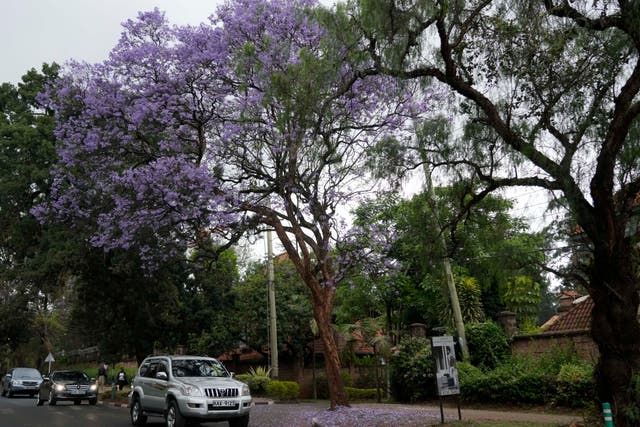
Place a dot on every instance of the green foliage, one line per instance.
(361, 393)
(511, 382)
(522, 296)
(467, 372)
(293, 313)
(283, 390)
(557, 378)
(633, 410)
(412, 371)
(257, 379)
(470, 298)
(575, 385)
(36, 259)
(207, 302)
(488, 345)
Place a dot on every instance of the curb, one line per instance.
(114, 404)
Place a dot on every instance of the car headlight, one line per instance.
(93, 387)
(245, 390)
(59, 387)
(15, 382)
(190, 390)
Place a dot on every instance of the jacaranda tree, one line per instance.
(186, 134)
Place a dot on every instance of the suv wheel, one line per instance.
(239, 422)
(174, 417)
(137, 419)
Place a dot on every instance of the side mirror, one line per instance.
(161, 376)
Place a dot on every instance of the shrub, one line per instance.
(513, 381)
(575, 385)
(412, 371)
(488, 345)
(257, 379)
(361, 393)
(283, 390)
(532, 381)
(472, 382)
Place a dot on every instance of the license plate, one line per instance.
(223, 403)
(77, 392)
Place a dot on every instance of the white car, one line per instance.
(21, 381)
(188, 388)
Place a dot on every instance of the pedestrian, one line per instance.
(122, 378)
(102, 376)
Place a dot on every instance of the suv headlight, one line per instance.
(190, 390)
(245, 390)
(15, 382)
(59, 387)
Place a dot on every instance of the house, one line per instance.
(570, 329)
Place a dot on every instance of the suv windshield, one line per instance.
(26, 373)
(198, 368)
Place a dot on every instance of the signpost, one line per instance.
(50, 359)
(447, 382)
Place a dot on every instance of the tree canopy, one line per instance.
(261, 117)
(548, 93)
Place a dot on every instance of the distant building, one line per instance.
(569, 329)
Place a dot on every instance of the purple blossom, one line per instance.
(185, 129)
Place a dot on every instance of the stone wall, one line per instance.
(579, 341)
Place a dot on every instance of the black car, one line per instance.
(21, 381)
(68, 385)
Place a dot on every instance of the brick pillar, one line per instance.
(418, 330)
(507, 320)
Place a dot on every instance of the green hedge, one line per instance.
(283, 390)
(543, 381)
(361, 393)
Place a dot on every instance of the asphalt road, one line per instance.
(21, 411)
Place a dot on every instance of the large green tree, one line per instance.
(489, 249)
(549, 92)
(122, 309)
(209, 320)
(293, 310)
(34, 259)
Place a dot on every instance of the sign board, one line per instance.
(50, 358)
(443, 350)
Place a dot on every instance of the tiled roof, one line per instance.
(577, 318)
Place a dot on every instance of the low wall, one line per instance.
(535, 345)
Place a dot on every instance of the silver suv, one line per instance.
(185, 388)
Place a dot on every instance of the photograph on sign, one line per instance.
(447, 382)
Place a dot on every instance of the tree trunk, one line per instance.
(616, 331)
(322, 312)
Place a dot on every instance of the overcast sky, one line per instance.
(37, 31)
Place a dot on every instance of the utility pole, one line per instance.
(273, 330)
(446, 264)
